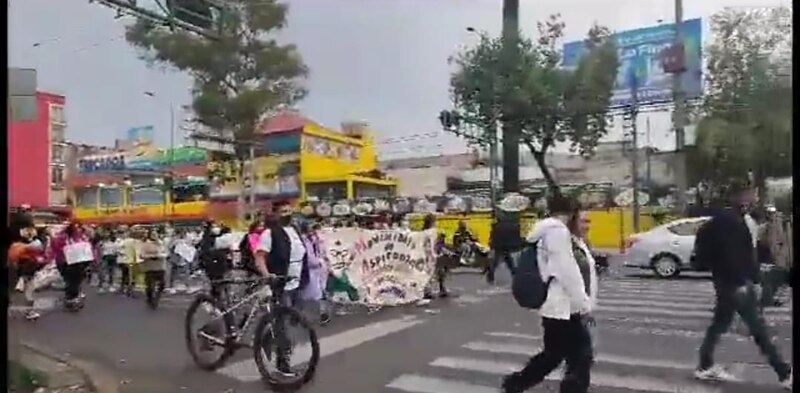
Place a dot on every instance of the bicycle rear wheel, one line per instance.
(202, 340)
(273, 341)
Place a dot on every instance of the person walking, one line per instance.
(504, 239)
(725, 244)
(128, 258)
(567, 311)
(73, 253)
(110, 249)
(311, 285)
(26, 257)
(281, 252)
(154, 266)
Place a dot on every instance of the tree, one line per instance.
(238, 77)
(745, 122)
(550, 104)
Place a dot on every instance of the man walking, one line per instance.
(503, 240)
(725, 244)
(776, 238)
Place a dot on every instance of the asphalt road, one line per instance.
(647, 338)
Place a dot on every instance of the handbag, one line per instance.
(78, 252)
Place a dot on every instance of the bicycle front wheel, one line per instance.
(286, 349)
(203, 339)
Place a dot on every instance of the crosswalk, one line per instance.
(647, 337)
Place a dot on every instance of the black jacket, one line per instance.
(728, 250)
(505, 237)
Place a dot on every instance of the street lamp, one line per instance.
(171, 126)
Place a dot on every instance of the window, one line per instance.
(57, 114)
(146, 196)
(364, 190)
(86, 197)
(57, 175)
(686, 228)
(327, 191)
(111, 197)
(57, 132)
(57, 153)
(189, 192)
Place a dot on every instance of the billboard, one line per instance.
(639, 52)
(140, 136)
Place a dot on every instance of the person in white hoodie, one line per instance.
(567, 311)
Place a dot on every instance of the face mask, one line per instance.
(216, 230)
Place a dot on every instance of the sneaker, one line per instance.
(101, 290)
(33, 315)
(82, 296)
(113, 289)
(714, 373)
(324, 319)
(170, 291)
(787, 384)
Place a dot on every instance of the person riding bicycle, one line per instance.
(281, 252)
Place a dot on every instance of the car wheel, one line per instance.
(666, 266)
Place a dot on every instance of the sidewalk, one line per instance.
(60, 374)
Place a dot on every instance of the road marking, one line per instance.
(681, 299)
(678, 313)
(424, 384)
(530, 350)
(247, 371)
(666, 293)
(513, 335)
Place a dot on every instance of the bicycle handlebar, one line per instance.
(246, 281)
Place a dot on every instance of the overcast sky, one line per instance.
(384, 61)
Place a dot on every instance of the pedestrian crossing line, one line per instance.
(530, 350)
(679, 313)
(601, 379)
(513, 335)
(702, 323)
(706, 306)
(246, 370)
(677, 299)
(413, 383)
(666, 294)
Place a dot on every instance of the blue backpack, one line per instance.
(527, 285)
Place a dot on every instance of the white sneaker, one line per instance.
(101, 290)
(170, 291)
(33, 315)
(113, 290)
(715, 373)
(787, 383)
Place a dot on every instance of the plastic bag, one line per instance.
(46, 277)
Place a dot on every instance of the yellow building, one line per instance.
(297, 160)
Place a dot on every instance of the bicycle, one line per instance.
(270, 329)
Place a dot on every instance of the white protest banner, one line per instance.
(385, 267)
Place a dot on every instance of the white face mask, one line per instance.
(216, 230)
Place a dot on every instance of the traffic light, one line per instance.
(197, 13)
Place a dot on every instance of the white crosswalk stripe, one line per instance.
(669, 310)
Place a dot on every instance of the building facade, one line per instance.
(36, 159)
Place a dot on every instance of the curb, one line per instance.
(96, 380)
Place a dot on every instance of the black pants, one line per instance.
(498, 255)
(73, 276)
(744, 302)
(215, 270)
(564, 340)
(153, 283)
(108, 267)
(773, 280)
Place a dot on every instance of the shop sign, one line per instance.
(112, 162)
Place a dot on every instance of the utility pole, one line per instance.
(493, 169)
(648, 154)
(511, 131)
(679, 113)
(634, 110)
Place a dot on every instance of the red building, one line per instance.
(36, 157)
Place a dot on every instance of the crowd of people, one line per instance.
(127, 260)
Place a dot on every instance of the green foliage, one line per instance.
(22, 379)
(239, 77)
(529, 88)
(746, 121)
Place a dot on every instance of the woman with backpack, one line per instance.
(566, 268)
(247, 248)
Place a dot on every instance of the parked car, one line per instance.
(667, 249)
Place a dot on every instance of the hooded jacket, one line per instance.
(567, 293)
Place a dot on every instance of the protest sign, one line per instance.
(383, 267)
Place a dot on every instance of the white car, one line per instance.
(667, 249)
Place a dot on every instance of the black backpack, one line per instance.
(702, 257)
(527, 285)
